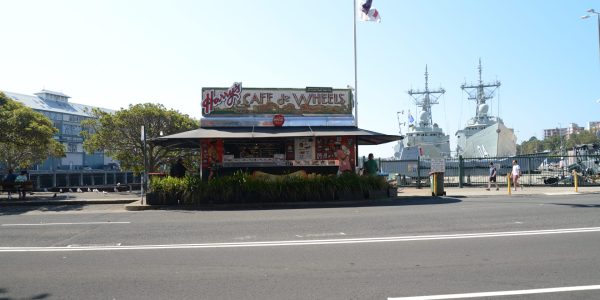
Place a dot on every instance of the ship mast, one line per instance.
(480, 93)
(425, 99)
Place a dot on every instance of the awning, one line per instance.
(192, 138)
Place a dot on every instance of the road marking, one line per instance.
(561, 193)
(305, 242)
(57, 224)
(503, 293)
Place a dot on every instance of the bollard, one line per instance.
(434, 184)
(575, 181)
(508, 184)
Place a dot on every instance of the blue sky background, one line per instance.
(115, 53)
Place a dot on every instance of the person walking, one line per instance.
(370, 166)
(20, 180)
(516, 174)
(9, 179)
(492, 178)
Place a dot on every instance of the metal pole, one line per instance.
(355, 72)
(598, 15)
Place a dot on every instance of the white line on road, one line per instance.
(503, 293)
(306, 242)
(561, 193)
(55, 224)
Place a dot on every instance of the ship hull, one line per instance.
(496, 140)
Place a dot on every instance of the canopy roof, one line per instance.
(192, 138)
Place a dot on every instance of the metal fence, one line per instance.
(537, 170)
(82, 179)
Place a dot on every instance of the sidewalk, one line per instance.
(49, 198)
(481, 191)
(132, 201)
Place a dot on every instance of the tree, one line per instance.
(119, 134)
(533, 145)
(584, 137)
(26, 137)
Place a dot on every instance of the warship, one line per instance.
(423, 138)
(484, 135)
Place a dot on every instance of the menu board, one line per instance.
(304, 148)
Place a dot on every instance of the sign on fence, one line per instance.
(438, 165)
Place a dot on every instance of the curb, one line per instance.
(66, 202)
(137, 206)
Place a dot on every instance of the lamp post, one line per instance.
(590, 12)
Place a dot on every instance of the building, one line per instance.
(67, 117)
(594, 126)
(554, 132)
(564, 132)
(276, 131)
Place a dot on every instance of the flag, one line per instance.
(367, 13)
(410, 118)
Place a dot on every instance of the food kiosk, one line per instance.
(275, 131)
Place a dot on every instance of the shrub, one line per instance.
(244, 188)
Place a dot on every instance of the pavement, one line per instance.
(133, 200)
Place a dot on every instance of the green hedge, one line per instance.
(244, 188)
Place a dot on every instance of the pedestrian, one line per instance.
(370, 166)
(9, 180)
(516, 173)
(178, 169)
(493, 173)
(21, 179)
(343, 156)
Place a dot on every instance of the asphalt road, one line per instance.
(418, 247)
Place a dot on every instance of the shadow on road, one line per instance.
(573, 205)
(312, 205)
(17, 210)
(35, 297)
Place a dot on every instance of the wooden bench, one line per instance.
(16, 187)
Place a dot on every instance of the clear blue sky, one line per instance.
(115, 53)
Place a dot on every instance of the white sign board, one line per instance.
(438, 165)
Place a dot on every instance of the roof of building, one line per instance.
(190, 139)
(45, 91)
(37, 103)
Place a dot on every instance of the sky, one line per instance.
(113, 53)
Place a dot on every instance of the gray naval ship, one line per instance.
(484, 135)
(424, 138)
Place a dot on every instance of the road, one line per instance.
(422, 247)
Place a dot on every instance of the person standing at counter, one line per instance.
(370, 166)
(344, 159)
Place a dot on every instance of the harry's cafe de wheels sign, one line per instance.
(235, 101)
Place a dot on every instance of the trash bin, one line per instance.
(437, 184)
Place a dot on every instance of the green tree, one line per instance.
(26, 137)
(533, 145)
(584, 137)
(554, 143)
(119, 134)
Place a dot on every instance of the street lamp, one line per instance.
(590, 12)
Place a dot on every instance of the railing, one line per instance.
(83, 179)
(536, 170)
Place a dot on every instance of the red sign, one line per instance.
(278, 120)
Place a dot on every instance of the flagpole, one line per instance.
(355, 73)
